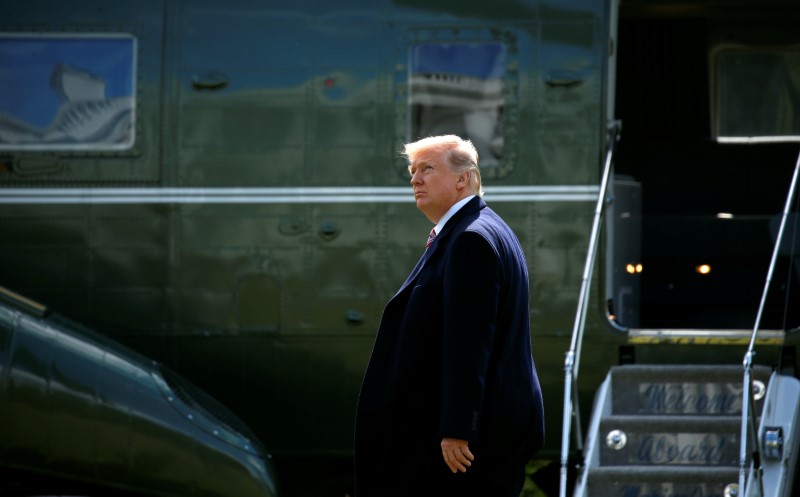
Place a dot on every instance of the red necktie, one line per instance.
(431, 237)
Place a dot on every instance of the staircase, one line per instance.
(667, 431)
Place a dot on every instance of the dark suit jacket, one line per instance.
(452, 358)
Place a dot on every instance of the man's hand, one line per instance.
(456, 454)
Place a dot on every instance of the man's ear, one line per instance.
(463, 179)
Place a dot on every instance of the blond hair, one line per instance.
(459, 155)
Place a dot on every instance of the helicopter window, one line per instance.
(67, 92)
(756, 93)
(458, 88)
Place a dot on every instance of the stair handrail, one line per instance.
(749, 430)
(572, 357)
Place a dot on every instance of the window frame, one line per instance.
(716, 95)
(510, 85)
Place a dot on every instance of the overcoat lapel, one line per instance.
(473, 205)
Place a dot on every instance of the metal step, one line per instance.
(669, 440)
(671, 430)
(683, 390)
(637, 481)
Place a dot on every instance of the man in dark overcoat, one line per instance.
(450, 403)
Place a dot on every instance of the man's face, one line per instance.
(436, 188)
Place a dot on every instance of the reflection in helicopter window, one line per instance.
(458, 88)
(63, 92)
